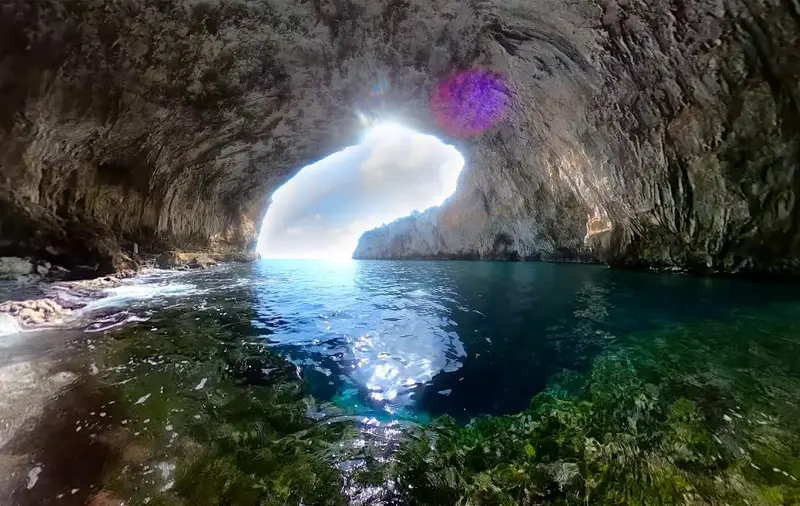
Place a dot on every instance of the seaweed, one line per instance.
(699, 414)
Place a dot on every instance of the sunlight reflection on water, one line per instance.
(413, 340)
(368, 334)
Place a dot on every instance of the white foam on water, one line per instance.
(115, 320)
(8, 325)
(122, 295)
(142, 399)
(167, 472)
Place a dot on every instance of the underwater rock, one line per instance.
(25, 388)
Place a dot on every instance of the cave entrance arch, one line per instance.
(322, 211)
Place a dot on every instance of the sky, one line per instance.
(324, 209)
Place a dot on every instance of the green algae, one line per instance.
(699, 414)
(703, 414)
(216, 418)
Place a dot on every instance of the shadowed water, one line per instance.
(308, 382)
(467, 338)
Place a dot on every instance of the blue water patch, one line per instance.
(413, 340)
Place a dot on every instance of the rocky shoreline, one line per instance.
(57, 305)
(60, 299)
(44, 385)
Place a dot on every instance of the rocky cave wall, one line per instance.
(169, 123)
(638, 132)
(643, 133)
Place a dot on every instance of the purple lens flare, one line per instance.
(470, 102)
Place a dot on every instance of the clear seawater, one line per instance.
(398, 345)
(423, 338)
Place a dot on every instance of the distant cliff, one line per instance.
(420, 237)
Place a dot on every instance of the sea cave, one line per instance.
(399, 252)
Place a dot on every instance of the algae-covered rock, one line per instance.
(700, 414)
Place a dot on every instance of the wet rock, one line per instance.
(30, 316)
(24, 389)
(105, 498)
(14, 268)
(201, 262)
(182, 260)
(238, 257)
(168, 260)
(187, 260)
(57, 273)
(29, 313)
(76, 294)
(62, 298)
(125, 274)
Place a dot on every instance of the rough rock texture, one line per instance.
(12, 267)
(183, 260)
(640, 131)
(645, 133)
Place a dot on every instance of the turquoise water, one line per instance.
(468, 338)
(377, 382)
(415, 339)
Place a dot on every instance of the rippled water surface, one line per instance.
(211, 375)
(457, 338)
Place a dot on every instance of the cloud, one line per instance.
(324, 209)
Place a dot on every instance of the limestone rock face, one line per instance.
(654, 132)
(184, 260)
(645, 133)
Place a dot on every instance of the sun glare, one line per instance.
(322, 212)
